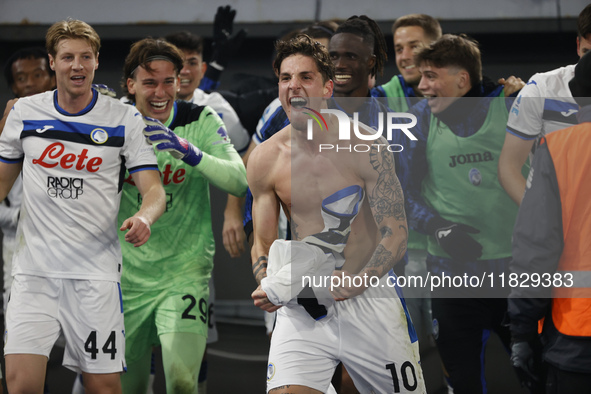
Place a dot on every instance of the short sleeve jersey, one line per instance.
(72, 180)
(544, 105)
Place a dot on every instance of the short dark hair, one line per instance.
(145, 51)
(370, 32)
(584, 22)
(25, 53)
(454, 50)
(430, 25)
(306, 46)
(186, 41)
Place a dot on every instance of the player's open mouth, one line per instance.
(430, 98)
(78, 79)
(342, 78)
(433, 100)
(185, 81)
(411, 67)
(298, 102)
(159, 105)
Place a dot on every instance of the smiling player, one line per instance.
(165, 287)
(71, 145)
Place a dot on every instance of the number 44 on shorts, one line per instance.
(108, 348)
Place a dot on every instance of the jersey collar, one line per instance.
(82, 112)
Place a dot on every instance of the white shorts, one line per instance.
(88, 312)
(370, 334)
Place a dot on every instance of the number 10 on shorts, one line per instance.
(408, 375)
(110, 347)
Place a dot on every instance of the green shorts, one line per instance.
(148, 314)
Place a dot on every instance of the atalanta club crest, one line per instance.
(99, 136)
(270, 371)
(475, 177)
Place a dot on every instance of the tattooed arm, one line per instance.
(386, 201)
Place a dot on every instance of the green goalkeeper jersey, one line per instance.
(181, 246)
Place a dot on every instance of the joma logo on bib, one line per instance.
(55, 155)
(470, 158)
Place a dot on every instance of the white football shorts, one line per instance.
(370, 334)
(88, 312)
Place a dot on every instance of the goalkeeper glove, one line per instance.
(166, 140)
